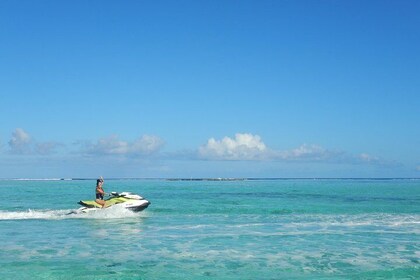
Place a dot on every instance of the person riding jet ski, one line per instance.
(100, 192)
(126, 200)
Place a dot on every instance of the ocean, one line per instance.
(236, 229)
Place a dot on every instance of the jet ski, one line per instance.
(126, 200)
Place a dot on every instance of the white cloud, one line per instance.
(108, 146)
(418, 168)
(245, 146)
(112, 145)
(365, 158)
(309, 152)
(368, 158)
(147, 144)
(20, 142)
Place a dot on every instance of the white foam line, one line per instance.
(64, 214)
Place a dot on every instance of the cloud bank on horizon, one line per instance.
(242, 147)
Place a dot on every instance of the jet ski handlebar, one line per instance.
(111, 194)
(116, 194)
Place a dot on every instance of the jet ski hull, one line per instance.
(138, 208)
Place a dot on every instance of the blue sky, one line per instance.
(209, 89)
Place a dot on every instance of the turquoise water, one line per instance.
(264, 229)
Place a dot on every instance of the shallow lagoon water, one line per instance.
(252, 229)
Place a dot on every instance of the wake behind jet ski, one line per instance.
(126, 200)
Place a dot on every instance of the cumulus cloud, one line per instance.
(246, 146)
(147, 144)
(112, 145)
(309, 152)
(108, 146)
(368, 158)
(365, 158)
(20, 142)
(243, 147)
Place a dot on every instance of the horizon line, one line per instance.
(212, 178)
